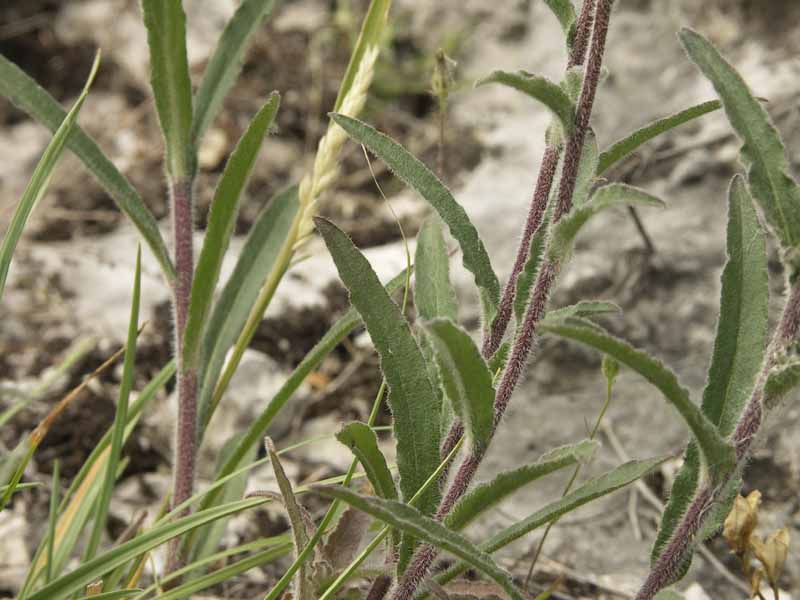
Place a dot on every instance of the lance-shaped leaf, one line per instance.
(411, 396)
(434, 295)
(169, 77)
(565, 13)
(412, 522)
(415, 174)
(587, 169)
(629, 144)
(231, 310)
(539, 88)
(466, 379)
(528, 274)
(37, 186)
(343, 543)
(491, 493)
(763, 153)
(616, 194)
(29, 96)
(781, 380)
(221, 223)
(584, 308)
(591, 490)
(717, 451)
(225, 63)
(363, 443)
(739, 346)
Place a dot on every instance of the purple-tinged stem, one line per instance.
(583, 29)
(450, 441)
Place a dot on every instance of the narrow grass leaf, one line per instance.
(415, 174)
(221, 223)
(541, 89)
(30, 97)
(466, 379)
(52, 519)
(411, 396)
(40, 179)
(225, 63)
(412, 522)
(489, 494)
(116, 595)
(169, 78)
(363, 443)
(629, 144)
(434, 295)
(718, 453)
(763, 153)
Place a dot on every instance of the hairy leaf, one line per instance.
(363, 443)
(629, 144)
(763, 153)
(412, 522)
(584, 308)
(781, 380)
(40, 179)
(717, 451)
(489, 494)
(466, 379)
(221, 223)
(587, 169)
(225, 63)
(541, 89)
(421, 178)
(169, 77)
(565, 13)
(434, 295)
(345, 540)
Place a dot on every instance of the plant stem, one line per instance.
(523, 344)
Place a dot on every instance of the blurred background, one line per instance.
(69, 288)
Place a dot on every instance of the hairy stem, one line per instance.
(583, 30)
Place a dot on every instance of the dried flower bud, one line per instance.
(742, 521)
(772, 554)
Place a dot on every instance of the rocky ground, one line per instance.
(71, 278)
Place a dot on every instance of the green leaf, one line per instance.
(28, 96)
(370, 35)
(169, 77)
(616, 194)
(527, 277)
(221, 223)
(584, 308)
(466, 380)
(120, 418)
(489, 494)
(112, 595)
(414, 173)
(434, 295)
(225, 63)
(412, 522)
(411, 396)
(587, 169)
(719, 454)
(363, 443)
(40, 179)
(93, 569)
(256, 260)
(541, 89)
(629, 144)
(55, 490)
(763, 153)
(782, 379)
(565, 13)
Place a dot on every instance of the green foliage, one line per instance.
(565, 13)
(434, 295)
(584, 308)
(781, 380)
(763, 153)
(363, 443)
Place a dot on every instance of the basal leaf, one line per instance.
(414, 173)
(541, 89)
(486, 495)
(434, 295)
(414, 523)
(28, 96)
(466, 379)
(225, 63)
(763, 153)
(40, 179)
(363, 443)
(629, 144)
(169, 77)
(411, 396)
(221, 223)
(717, 451)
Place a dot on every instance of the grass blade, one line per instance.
(51, 520)
(169, 77)
(37, 186)
(629, 144)
(414, 173)
(221, 223)
(489, 494)
(412, 522)
(363, 443)
(763, 152)
(466, 379)
(28, 96)
(225, 63)
(116, 595)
